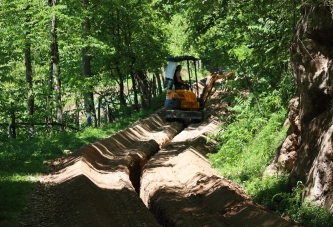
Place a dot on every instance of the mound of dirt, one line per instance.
(154, 173)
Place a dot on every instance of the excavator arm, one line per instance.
(207, 92)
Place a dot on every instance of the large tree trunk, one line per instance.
(86, 70)
(313, 70)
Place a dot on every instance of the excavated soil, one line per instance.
(154, 173)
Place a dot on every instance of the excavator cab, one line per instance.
(183, 103)
(187, 103)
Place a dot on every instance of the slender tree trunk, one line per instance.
(105, 112)
(54, 66)
(122, 99)
(159, 81)
(109, 113)
(28, 78)
(12, 127)
(144, 88)
(77, 104)
(86, 70)
(99, 111)
(49, 112)
(153, 86)
(135, 91)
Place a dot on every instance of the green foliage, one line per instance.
(312, 215)
(289, 204)
(263, 190)
(273, 193)
(248, 144)
(128, 35)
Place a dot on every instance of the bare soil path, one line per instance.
(154, 173)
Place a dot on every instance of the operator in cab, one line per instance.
(177, 79)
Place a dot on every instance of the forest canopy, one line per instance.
(70, 64)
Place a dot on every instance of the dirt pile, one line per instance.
(93, 187)
(152, 174)
(181, 189)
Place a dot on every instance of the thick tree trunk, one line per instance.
(313, 70)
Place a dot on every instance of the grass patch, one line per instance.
(13, 196)
(248, 146)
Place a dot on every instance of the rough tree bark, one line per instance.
(312, 54)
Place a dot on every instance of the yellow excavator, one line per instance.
(188, 103)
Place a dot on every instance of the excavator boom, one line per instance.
(207, 92)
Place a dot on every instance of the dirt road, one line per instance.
(151, 174)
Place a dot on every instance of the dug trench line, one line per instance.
(179, 186)
(98, 184)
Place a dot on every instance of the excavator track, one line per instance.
(183, 114)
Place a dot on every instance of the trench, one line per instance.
(183, 190)
(136, 162)
(153, 173)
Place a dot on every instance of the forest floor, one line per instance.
(154, 173)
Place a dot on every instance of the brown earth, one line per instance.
(154, 173)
